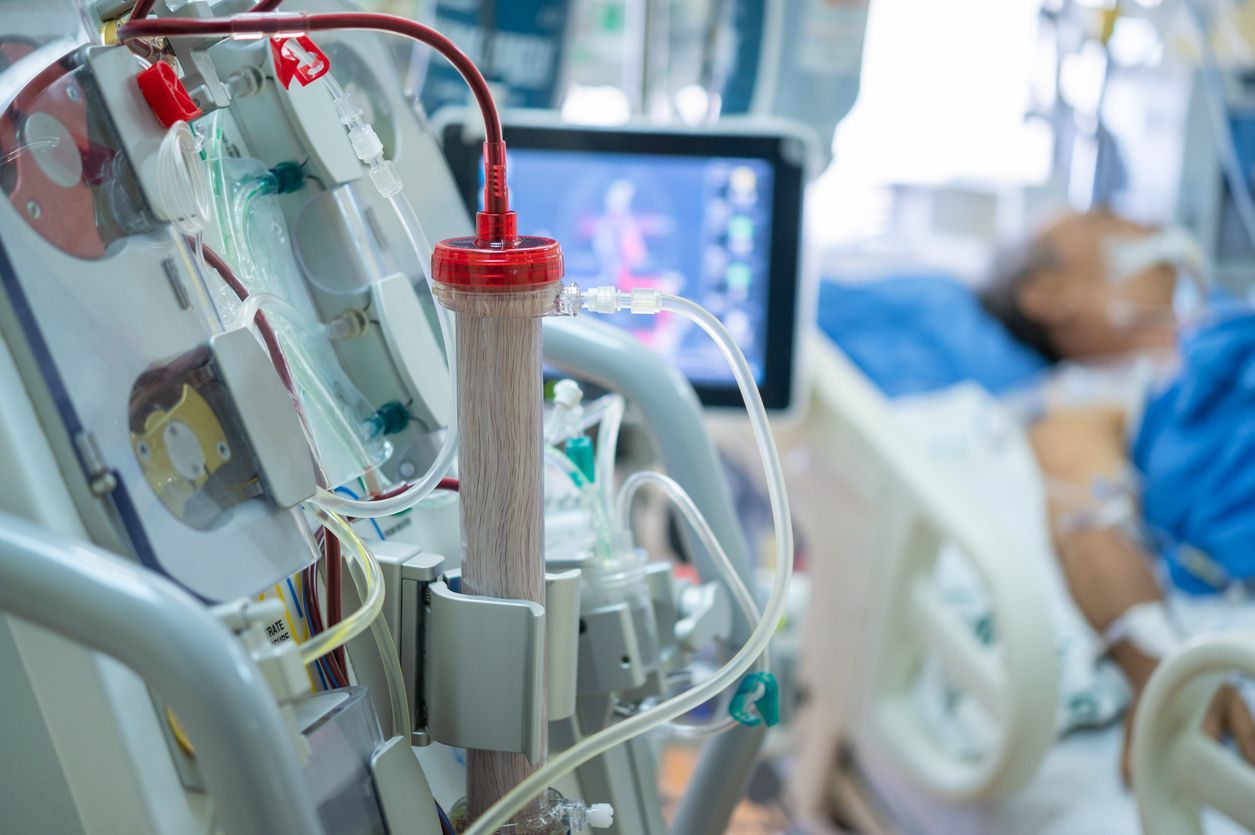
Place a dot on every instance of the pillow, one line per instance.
(916, 334)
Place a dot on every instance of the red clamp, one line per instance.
(298, 58)
(166, 95)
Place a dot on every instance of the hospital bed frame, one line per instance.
(879, 515)
(1177, 769)
(876, 514)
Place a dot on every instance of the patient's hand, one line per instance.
(1228, 718)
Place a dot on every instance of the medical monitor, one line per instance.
(711, 216)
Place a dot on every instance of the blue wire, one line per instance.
(445, 824)
(322, 679)
(344, 491)
(296, 599)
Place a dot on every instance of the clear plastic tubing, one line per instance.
(567, 761)
(683, 503)
(560, 462)
(370, 588)
(270, 303)
(608, 442)
(423, 487)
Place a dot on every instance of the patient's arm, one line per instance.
(1106, 572)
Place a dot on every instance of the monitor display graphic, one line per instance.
(699, 227)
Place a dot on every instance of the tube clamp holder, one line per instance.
(484, 671)
(757, 692)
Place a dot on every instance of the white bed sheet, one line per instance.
(1078, 791)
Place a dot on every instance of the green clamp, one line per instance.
(580, 450)
(757, 701)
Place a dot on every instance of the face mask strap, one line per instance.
(1170, 246)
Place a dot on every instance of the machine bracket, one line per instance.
(494, 704)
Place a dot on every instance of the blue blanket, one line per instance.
(915, 334)
(1196, 453)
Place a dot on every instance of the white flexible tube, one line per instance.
(422, 488)
(592, 498)
(683, 503)
(593, 412)
(567, 761)
(608, 443)
(398, 697)
(269, 302)
(370, 588)
(182, 184)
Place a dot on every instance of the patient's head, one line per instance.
(1058, 294)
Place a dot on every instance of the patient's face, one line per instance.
(1089, 315)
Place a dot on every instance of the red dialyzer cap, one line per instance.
(497, 259)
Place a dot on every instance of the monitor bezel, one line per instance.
(779, 149)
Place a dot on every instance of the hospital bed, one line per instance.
(877, 512)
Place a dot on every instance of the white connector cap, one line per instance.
(601, 816)
(567, 394)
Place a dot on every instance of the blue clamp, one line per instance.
(752, 706)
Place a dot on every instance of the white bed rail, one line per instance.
(876, 615)
(1177, 769)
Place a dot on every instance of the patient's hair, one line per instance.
(1012, 269)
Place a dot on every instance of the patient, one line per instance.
(1098, 289)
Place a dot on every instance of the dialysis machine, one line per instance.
(291, 539)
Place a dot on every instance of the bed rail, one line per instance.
(1177, 769)
(875, 615)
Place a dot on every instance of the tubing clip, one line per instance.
(757, 701)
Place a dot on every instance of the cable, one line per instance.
(344, 491)
(335, 588)
(326, 665)
(301, 601)
(563, 763)
(371, 592)
(446, 826)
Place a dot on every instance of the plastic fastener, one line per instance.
(298, 58)
(166, 95)
(757, 692)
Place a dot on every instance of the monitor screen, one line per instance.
(713, 217)
(696, 227)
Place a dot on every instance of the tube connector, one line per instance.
(607, 299)
(366, 144)
(581, 817)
